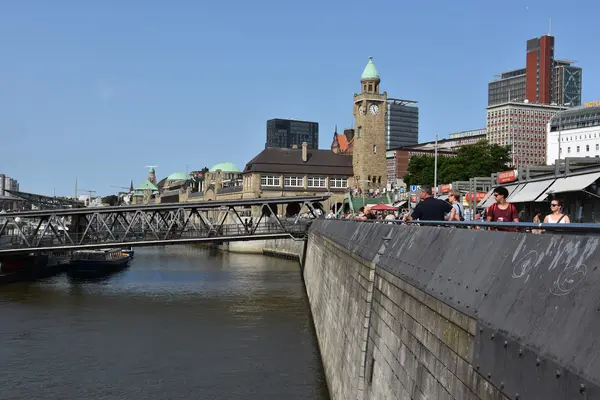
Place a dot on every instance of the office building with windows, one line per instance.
(7, 183)
(567, 84)
(522, 127)
(544, 80)
(291, 133)
(578, 132)
(401, 123)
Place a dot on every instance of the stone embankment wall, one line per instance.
(285, 248)
(408, 312)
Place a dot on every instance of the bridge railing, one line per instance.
(118, 236)
(528, 227)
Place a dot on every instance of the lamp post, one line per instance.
(435, 160)
(559, 127)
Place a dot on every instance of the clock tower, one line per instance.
(368, 158)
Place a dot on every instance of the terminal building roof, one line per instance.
(577, 117)
(283, 160)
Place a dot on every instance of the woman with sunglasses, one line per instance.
(557, 216)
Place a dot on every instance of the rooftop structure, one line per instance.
(225, 167)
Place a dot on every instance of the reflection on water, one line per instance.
(179, 323)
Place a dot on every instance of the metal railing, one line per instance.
(585, 228)
(120, 237)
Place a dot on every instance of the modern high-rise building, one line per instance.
(567, 84)
(522, 127)
(544, 80)
(540, 62)
(509, 85)
(401, 123)
(8, 183)
(289, 133)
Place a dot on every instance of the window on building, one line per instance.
(568, 149)
(293, 181)
(270, 180)
(578, 149)
(374, 149)
(316, 181)
(597, 146)
(338, 183)
(359, 131)
(587, 147)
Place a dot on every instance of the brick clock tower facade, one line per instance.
(368, 158)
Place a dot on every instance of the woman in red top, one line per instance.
(502, 211)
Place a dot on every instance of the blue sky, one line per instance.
(101, 89)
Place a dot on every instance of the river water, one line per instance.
(179, 323)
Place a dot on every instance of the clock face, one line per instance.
(360, 109)
(374, 109)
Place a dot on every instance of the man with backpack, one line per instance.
(502, 211)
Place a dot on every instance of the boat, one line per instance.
(97, 262)
(128, 252)
(25, 267)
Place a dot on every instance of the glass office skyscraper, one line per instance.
(401, 123)
(287, 133)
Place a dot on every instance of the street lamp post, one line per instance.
(435, 157)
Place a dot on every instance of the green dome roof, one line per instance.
(370, 72)
(225, 167)
(178, 176)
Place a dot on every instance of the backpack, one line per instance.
(460, 212)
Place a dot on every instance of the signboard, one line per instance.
(478, 196)
(507, 176)
(414, 188)
(445, 188)
(413, 198)
(592, 103)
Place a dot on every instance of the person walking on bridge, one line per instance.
(502, 210)
(557, 216)
(430, 208)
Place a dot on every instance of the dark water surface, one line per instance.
(179, 323)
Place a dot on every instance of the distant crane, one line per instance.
(120, 187)
(89, 193)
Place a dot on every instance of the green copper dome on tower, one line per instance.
(370, 71)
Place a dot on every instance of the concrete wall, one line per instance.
(287, 248)
(422, 312)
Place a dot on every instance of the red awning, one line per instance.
(383, 207)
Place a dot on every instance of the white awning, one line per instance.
(514, 191)
(486, 198)
(573, 183)
(531, 191)
(491, 200)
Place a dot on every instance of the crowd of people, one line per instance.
(433, 209)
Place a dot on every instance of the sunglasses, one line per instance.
(553, 205)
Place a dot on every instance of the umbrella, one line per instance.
(383, 207)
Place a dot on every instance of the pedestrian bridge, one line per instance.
(157, 224)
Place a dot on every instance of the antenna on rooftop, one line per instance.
(550, 31)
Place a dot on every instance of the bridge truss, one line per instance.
(143, 225)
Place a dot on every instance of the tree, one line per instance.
(478, 159)
(112, 200)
